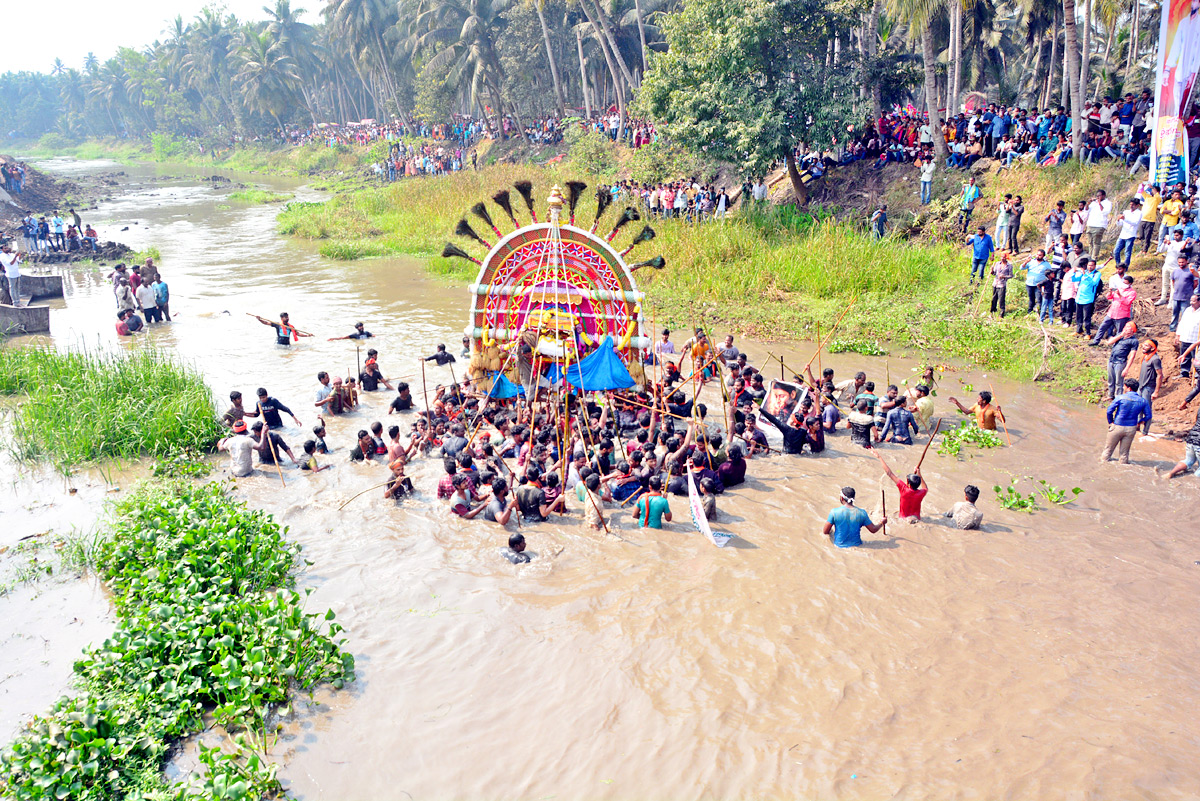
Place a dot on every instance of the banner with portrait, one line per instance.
(1178, 58)
(782, 399)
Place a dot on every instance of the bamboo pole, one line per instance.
(1001, 415)
(274, 454)
(832, 331)
(927, 444)
(883, 498)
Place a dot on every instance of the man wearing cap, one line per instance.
(845, 522)
(360, 332)
(240, 447)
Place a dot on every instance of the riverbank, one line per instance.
(772, 274)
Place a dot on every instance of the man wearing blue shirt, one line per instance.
(982, 249)
(1125, 414)
(1035, 275)
(844, 524)
(966, 203)
(1085, 297)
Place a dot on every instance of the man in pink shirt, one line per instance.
(1119, 310)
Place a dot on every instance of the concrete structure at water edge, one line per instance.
(27, 319)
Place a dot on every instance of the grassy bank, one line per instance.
(778, 273)
(81, 407)
(207, 632)
(310, 159)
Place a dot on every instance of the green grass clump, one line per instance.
(140, 256)
(82, 407)
(259, 196)
(203, 629)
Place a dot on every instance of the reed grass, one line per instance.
(82, 407)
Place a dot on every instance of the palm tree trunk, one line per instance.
(618, 90)
(558, 91)
(1108, 43)
(1086, 53)
(1131, 55)
(606, 30)
(637, 6)
(870, 40)
(955, 87)
(1053, 64)
(583, 79)
(1071, 51)
(930, 60)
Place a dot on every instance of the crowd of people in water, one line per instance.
(558, 452)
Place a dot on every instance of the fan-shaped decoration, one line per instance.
(559, 290)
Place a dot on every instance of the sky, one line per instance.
(69, 29)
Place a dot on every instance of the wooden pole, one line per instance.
(927, 444)
(274, 454)
(425, 392)
(883, 498)
(820, 369)
(1001, 415)
(832, 331)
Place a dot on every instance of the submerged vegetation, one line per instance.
(258, 196)
(206, 627)
(82, 407)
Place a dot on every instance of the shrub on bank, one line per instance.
(81, 406)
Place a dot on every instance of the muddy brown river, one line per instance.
(1048, 655)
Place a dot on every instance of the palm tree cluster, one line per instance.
(424, 60)
(377, 59)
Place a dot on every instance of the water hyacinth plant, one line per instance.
(207, 625)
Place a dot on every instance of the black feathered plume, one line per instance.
(603, 201)
(658, 262)
(629, 215)
(644, 235)
(480, 211)
(464, 229)
(526, 190)
(504, 200)
(454, 251)
(574, 190)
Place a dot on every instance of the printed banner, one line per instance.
(1178, 57)
(783, 398)
(698, 519)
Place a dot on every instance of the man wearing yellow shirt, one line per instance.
(1170, 211)
(1150, 203)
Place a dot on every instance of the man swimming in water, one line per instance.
(360, 332)
(515, 552)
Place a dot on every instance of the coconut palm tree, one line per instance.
(267, 79)
(919, 15)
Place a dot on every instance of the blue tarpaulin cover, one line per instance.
(503, 388)
(602, 370)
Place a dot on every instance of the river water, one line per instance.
(1047, 655)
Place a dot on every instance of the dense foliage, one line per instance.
(217, 76)
(204, 628)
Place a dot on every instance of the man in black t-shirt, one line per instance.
(360, 332)
(403, 400)
(270, 408)
(441, 357)
(271, 445)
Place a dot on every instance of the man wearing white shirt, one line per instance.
(148, 302)
(1187, 334)
(928, 166)
(1097, 220)
(925, 134)
(1106, 115)
(10, 260)
(1174, 247)
(1130, 220)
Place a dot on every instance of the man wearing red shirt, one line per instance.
(912, 491)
